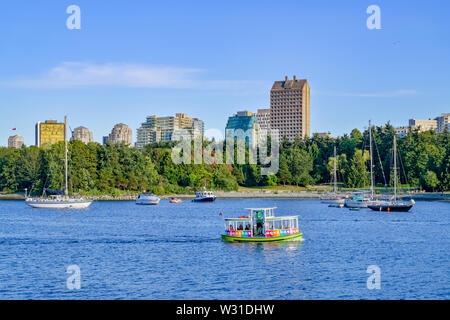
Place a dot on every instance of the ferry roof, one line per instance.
(261, 208)
(268, 219)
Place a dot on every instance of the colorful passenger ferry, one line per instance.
(261, 225)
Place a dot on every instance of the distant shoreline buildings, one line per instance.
(437, 124)
(50, 132)
(82, 134)
(243, 126)
(264, 123)
(121, 133)
(290, 108)
(163, 129)
(289, 113)
(16, 142)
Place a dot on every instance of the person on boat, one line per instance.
(259, 222)
(247, 227)
(241, 227)
(231, 227)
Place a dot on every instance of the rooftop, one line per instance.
(289, 84)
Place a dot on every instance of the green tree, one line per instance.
(357, 175)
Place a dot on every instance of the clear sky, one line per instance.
(210, 59)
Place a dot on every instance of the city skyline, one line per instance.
(106, 74)
(401, 129)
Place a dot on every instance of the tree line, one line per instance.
(423, 162)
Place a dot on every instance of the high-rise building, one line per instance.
(82, 134)
(290, 108)
(50, 132)
(443, 122)
(15, 142)
(243, 126)
(423, 125)
(121, 133)
(264, 122)
(163, 129)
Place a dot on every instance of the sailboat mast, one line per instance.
(395, 169)
(66, 190)
(372, 190)
(335, 171)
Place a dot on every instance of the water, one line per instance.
(174, 251)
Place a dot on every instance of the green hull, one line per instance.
(272, 239)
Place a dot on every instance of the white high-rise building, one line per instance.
(443, 122)
(163, 129)
(264, 123)
(423, 125)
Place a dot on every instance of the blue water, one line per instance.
(174, 251)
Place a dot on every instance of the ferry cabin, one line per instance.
(269, 226)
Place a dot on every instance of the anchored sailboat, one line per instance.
(393, 204)
(60, 201)
(333, 198)
(359, 199)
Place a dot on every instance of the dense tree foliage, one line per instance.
(423, 162)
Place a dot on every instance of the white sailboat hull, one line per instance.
(356, 203)
(63, 204)
(333, 201)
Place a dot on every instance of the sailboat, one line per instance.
(393, 204)
(359, 199)
(63, 200)
(334, 199)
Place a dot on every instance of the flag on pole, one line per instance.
(221, 214)
(14, 129)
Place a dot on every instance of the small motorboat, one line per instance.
(175, 200)
(148, 199)
(204, 196)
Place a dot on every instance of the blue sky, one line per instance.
(210, 59)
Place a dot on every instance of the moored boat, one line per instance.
(61, 200)
(148, 199)
(204, 196)
(58, 202)
(334, 198)
(358, 201)
(393, 205)
(261, 225)
(175, 200)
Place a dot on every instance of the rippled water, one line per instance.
(174, 251)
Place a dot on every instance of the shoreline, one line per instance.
(242, 195)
